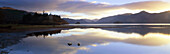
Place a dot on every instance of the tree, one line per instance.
(77, 23)
(1, 18)
(117, 22)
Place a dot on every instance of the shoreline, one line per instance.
(22, 28)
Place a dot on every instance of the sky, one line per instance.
(88, 9)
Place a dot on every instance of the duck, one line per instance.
(78, 44)
(69, 44)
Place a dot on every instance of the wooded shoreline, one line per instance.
(19, 28)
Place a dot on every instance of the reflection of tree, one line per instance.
(77, 23)
(117, 22)
(6, 41)
(4, 52)
(44, 34)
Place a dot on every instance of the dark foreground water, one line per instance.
(130, 40)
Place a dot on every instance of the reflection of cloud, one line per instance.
(89, 8)
(92, 37)
(84, 48)
(46, 46)
(150, 39)
(94, 45)
(105, 44)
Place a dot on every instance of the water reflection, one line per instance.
(142, 31)
(81, 41)
(4, 52)
(6, 41)
(44, 34)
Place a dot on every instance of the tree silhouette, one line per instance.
(1, 18)
(77, 23)
(43, 19)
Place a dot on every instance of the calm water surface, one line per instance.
(148, 40)
(124, 24)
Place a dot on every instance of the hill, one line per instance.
(141, 17)
(82, 21)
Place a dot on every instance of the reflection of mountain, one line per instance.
(142, 17)
(142, 31)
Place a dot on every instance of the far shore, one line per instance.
(19, 28)
(7, 28)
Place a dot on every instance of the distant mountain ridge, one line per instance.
(141, 17)
(82, 21)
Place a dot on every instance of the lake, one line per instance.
(143, 39)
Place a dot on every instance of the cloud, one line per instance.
(92, 9)
(148, 5)
(33, 5)
(94, 2)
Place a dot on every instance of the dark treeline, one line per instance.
(13, 16)
(1, 17)
(41, 19)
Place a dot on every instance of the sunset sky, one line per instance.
(89, 9)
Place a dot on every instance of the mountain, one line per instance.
(82, 21)
(141, 17)
(10, 15)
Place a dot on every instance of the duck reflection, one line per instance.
(69, 44)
